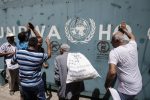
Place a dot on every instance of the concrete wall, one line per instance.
(59, 18)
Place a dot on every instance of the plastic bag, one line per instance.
(79, 68)
(10, 66)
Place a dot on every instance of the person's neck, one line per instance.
(12, 42)
(32, 48)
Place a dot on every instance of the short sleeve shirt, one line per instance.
(7, 47)
(125, 57)
(30, 64)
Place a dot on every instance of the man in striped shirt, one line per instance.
(30, 63)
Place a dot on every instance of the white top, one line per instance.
(10, 66)
(7, 47)
(125, 57)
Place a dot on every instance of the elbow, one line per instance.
(49, 55)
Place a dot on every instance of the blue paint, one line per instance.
(18, 22)
(57, 12)
(142, 40)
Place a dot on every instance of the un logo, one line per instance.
(79, 30)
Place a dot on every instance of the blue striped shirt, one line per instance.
(30, 64)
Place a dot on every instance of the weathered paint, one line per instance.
(52, 17)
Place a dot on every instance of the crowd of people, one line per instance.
(25, 58)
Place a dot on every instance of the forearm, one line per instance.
(37, 34)
(109, 80)
(130, 35)
(124, 30)
(31, 27)
(4, 54)
(49, 47)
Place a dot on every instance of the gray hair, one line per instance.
(118, 36)
(65, 47)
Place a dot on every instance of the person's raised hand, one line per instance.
(123, 26)
(31, 26)
(47, 40)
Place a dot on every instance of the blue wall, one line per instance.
(51, 14)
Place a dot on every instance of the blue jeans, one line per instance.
(33, 93)
(125, 96)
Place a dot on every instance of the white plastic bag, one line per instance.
(79, 68)
(10, 66)
(114, 94)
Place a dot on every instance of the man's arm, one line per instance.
(6, 54)
(14, 59)
(31, 26)
(49, 47)
(110, 75)
(57, 75)
(125, 30)
(129, 34)
(3, 51)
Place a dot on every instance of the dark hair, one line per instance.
(22, 36)
(33, 41)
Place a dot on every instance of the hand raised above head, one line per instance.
(31, 26)
(123, 25)
(120, 29)
(47, 40)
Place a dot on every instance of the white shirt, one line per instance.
(6, 48)
(125, 57)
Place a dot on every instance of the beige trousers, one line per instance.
(12, 76)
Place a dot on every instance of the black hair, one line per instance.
(22, 36)
(33, 41)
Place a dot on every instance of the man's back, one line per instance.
(30, 66)
(66, 91)
(61, 73)
(126, 59)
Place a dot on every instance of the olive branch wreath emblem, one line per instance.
(87, 39)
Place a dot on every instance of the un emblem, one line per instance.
(79, 30)
(103, 46)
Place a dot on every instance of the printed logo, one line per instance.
(55, 46)
(103, 46)
(79, 30)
